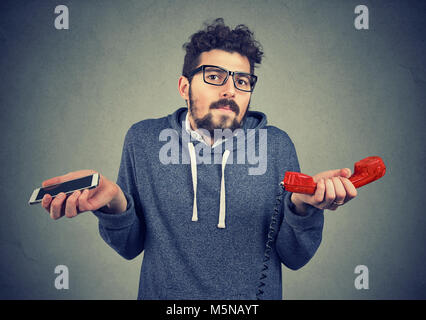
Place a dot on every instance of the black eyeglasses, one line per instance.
(218, 76)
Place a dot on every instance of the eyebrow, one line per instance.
(227, 69)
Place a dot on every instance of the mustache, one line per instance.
(226, 102)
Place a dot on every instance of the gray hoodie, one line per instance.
(204, 217)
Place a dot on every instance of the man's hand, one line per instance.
(333, 190)
(107, 195)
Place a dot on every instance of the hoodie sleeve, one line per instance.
(299, 236)
(125, 232)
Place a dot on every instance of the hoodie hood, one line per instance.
(253, 121)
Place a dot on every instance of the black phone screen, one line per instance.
(65, 187)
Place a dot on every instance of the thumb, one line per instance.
(345, 172)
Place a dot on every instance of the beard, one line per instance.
(207, 122)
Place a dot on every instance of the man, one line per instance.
(203, 219)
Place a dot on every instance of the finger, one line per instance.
(319, 192)
(327, 174)
(339, 190)
(83, 204)
(345, 172)
(71, 205)
(56, 206)
(95, 199)
(49, 182)
(351, 191)
(52, 181)
(89, 201)
(45, 202)
(330, 194)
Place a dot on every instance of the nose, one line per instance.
(228, 89)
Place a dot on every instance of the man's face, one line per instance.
(218, 107)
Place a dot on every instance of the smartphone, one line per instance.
(68, 187)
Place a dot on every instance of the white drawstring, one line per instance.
(194, 179)
(222, 204)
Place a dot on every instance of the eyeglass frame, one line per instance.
(228, 73)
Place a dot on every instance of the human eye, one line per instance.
(214, 75)
(242, 82)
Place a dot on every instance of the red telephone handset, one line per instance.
(366, 170)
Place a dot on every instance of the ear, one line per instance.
(183, 87)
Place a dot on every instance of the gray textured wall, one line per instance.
(68, 97)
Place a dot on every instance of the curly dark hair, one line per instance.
(219, 36)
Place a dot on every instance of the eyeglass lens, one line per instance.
(217, 76)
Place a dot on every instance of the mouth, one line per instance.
(225, 109)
